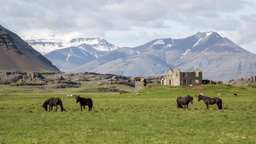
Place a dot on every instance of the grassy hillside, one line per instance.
(150, 117)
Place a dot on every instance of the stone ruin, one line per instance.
(140, 83)
(242, 81)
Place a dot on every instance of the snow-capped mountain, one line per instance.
(52, 42)
(218, 58)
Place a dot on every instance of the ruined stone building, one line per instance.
(140, 83)
(176, 77)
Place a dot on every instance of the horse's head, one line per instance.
(45, 106)
(190, 98)
(78, 98)
(199, 97)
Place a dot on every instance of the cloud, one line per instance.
(101, 17)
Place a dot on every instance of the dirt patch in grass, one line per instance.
(198, 87)
(189, 90)
(195, 88)
(217, 91)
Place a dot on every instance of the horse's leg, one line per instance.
(81, 106)
(207, 106)
(179, 106)
(219, 106)
(56, 108)
(184, 106)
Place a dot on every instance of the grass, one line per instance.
(151, 117)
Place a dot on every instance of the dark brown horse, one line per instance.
(211, 101)
(84, 101)
(53, 102)
(184, 101)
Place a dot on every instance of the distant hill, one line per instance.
(17, 55)
(217, 57)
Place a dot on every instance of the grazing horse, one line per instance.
(53, 102)
(211, 101)
(84, 101)
(184, 101)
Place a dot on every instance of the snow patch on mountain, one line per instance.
(197, 42)
(69, 54)
(208, 33)
(158, 42)
(168, 45)
(83, 52)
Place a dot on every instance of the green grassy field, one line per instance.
(151, 117)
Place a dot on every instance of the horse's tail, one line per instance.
(220, 104)
(90, 104)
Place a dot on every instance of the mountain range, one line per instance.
(17, 55)
(217, 57)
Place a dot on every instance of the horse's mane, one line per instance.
(78, 98)
(203, 96)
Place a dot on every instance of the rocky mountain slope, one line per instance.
(217, 57)
(17, 55)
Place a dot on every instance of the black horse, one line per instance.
(184, 101)
(211, 101)
(84, 101)
(53, 102)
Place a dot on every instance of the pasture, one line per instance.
(150, 117)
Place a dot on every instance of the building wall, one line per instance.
(139, 85)
(176, 77)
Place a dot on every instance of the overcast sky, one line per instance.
(132, 22)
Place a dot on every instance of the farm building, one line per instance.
(139, 83)
(176, 77)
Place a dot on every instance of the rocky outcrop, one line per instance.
(242, 81)
(62, 80)
(20, 77)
